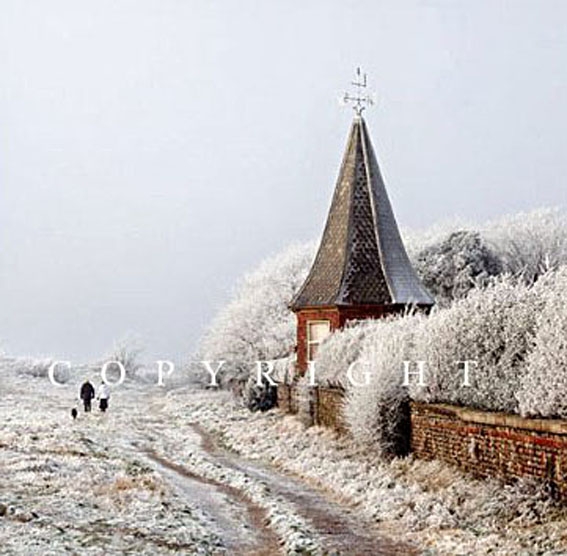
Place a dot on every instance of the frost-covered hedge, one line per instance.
(543, 389)
(340, 350)
(377, 410)
(495, 328)
(515, 333)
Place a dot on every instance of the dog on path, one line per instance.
(74, 413)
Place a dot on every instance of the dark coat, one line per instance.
(87, 391)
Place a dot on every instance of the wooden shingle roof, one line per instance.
(361, 258)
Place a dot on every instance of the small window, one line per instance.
(317, 331)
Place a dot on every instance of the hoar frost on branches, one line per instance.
(257, 324)
(455, 257)
(338, 351)
(494, 327)
(544, 384)
(529, 244)
(452, 267)
(377, 410)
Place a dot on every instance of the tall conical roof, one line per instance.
(361, 258)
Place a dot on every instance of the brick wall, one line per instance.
(329, 409)
(288, 398)
(485, 444)
(492, 444)
(323, 406)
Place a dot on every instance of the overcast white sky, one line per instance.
(152, 151)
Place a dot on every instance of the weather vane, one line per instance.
(360, 99)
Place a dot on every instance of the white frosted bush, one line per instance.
(36, 367)
(127, 351)
(544, 385)
(377, 413)
(338, 351)
(494, 327)
(30, 366)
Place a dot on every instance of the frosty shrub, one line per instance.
(338, 351)
(378, 413)
(495, 327)
(528, 244)
(544, 385)
(30, 366)
(257, 324)
(450, 268)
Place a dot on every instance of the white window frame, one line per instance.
(311, 342)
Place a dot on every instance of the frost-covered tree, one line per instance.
(529, 244)
(418, 240)
(127, 351)
(544, 385)
(257, 324)
(450, 268)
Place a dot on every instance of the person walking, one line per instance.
(103, 396)
(87, 394)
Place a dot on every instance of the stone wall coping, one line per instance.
(496, 419)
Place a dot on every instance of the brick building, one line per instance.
(361, 269)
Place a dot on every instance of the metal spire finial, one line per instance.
(361, 98)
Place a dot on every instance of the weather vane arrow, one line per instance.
(361, 98)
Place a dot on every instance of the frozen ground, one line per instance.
(77, 487)
(160, 474)
(428, 503)
(146, 479)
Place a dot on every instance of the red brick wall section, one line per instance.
(492, 444)
(304, 315)
(483, 443)
(326, 407)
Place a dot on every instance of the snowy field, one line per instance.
(79, 487)
(156, 476)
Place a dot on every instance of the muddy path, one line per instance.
(142, 428)
(231, 515)
(338, 528)
(234, 517)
